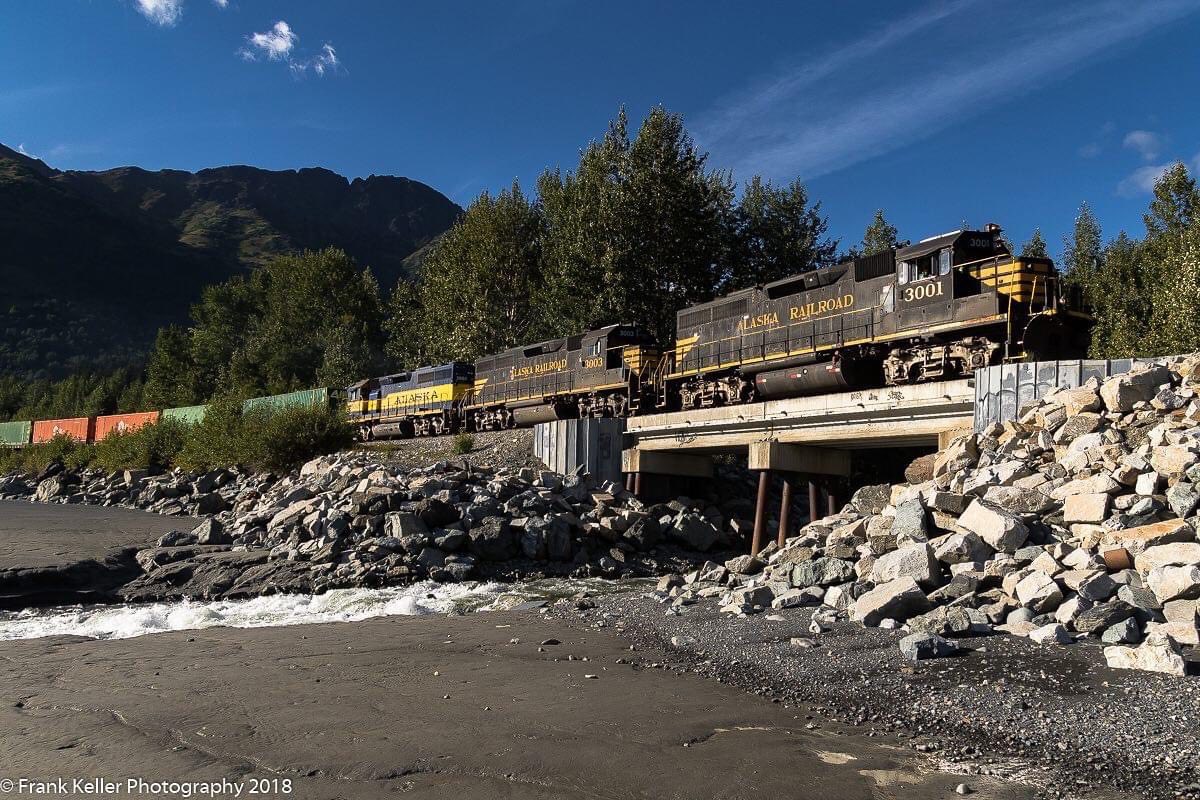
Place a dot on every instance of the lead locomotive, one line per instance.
(930, 311)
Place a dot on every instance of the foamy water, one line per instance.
(339, 605)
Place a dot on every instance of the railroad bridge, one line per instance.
(803, 438)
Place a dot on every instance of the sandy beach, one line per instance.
(431, 707)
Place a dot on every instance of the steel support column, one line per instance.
(785, 508)
(831, 498)
(814, 501)
(760, 510)
(637, 485)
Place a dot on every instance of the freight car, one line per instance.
(601, 373)
(424, 402)
(937, 309)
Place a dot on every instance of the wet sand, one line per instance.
(430, 707)
(53, 552)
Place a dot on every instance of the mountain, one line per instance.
(93, 263)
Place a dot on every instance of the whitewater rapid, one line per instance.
(338, 605)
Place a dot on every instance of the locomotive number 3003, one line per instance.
(922, 292)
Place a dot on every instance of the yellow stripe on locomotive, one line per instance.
(425, 400)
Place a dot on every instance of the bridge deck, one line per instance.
(868, 418)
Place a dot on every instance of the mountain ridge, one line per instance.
(122, 251)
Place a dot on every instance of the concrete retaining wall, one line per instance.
(589, 445)
(1002, 391)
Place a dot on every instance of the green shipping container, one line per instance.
(276, 402)
(15, 434)
(192, 415)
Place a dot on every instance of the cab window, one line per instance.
(923, 268)
(944, 262)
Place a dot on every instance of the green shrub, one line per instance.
(218, 440)
(36, 457)
(263, 439)
(155, 445)
(463, 443)
(286, 439)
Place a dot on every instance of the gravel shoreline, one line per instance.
(1055, 717)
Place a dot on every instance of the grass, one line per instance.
(463, 444)
(261, 440)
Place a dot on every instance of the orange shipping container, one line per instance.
(124, 422)
(78, 428)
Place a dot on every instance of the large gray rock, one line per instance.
(1183, 499)
(1174, 583)
(1174, 554)
(1102, 616)
(694, 531)
(1122, 392)
(923, 645)
(1158, 653)
(822, 572)
(404, 523)
(492, 540)
(961, 548)
(211, 531)
(915, 561)
(910, 524)
(1038, 591)
(871, 499)
(1001, 530)
(1091, 508)
(898, 599)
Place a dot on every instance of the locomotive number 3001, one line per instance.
(922, 292)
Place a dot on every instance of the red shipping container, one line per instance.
(78, 428)
(124, 422)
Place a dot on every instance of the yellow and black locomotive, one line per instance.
(602, 373)
(936, 309)
(424, 402)
(933, 310)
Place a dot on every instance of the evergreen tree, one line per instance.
(1175, 206)
(480, 280)
(879, 235)
(1084, 250)
(170, 375)
(1036, 246)
(776, 233)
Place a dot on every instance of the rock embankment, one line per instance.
(352, 520)
(1076, 522)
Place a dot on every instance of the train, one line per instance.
(933, 310)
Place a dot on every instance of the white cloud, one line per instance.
(879, 93)
(279, 43)
(1090, 150)
(326, 60)
(221, 3)
(21, 149)
(1141, 180)
(161, 12)
(276, 44)
(1148, 144)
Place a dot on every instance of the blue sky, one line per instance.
(937, 112)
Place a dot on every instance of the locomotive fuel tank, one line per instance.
(826, 376)
(534, 415)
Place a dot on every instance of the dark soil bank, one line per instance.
(430, 707)
(71, 553)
